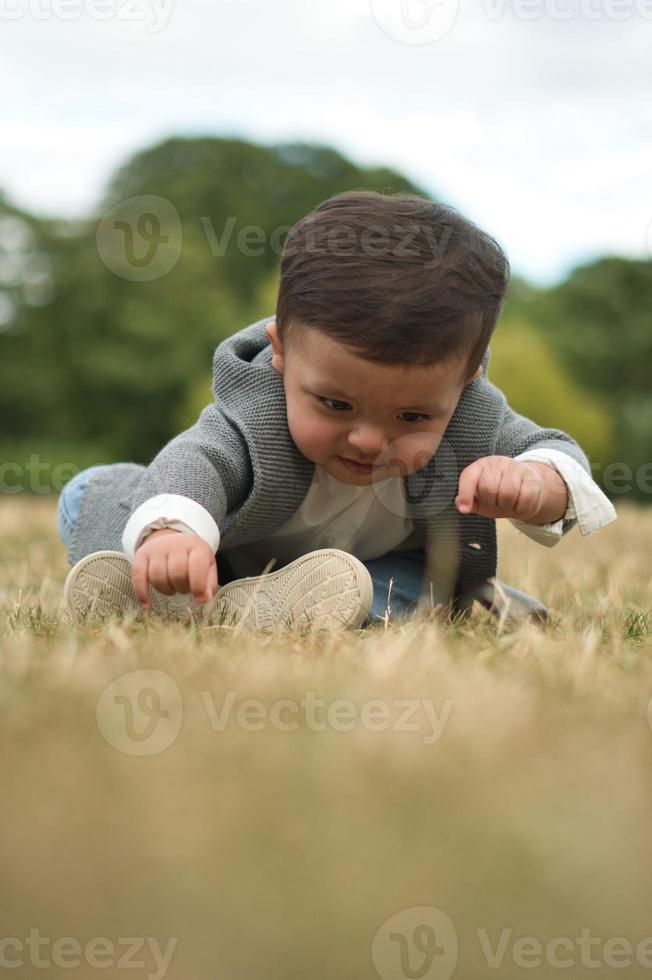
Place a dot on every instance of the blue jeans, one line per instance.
(406, 568)
(70, 500)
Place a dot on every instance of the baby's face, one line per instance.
(343, 409)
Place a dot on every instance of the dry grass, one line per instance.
(278, 854)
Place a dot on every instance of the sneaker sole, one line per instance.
(327, 589)
(101, 584)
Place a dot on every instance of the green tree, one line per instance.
(599, 322)
(109, 361)
(221, 187)
(539, 385)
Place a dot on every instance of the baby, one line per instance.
(354, 439)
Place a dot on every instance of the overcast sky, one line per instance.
(532, 116)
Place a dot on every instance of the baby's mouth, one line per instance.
(356, 467)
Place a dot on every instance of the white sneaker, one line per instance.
(326, 589)
(101, 584)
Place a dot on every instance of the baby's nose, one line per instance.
(368, 441)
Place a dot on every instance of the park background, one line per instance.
(220, 118)
(282, 854)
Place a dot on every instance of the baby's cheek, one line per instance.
(311, 436)
(415, 450)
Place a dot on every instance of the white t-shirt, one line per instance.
(364, 521)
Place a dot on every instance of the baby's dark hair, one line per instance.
(397, 279)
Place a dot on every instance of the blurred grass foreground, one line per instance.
(405, 801)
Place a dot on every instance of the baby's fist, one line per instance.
(498, 486)
(173, 561)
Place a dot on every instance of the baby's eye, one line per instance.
(419, 416)
(332, 402)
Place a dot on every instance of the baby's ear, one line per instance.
(474, 376)
(278, 361)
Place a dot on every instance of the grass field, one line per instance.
(275, 807)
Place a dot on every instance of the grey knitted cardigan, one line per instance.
(240, 463)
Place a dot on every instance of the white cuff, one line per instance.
(169, 510)
(546, 534)
(586, 501)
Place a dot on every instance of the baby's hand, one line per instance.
(173, 561)
(498, 486)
